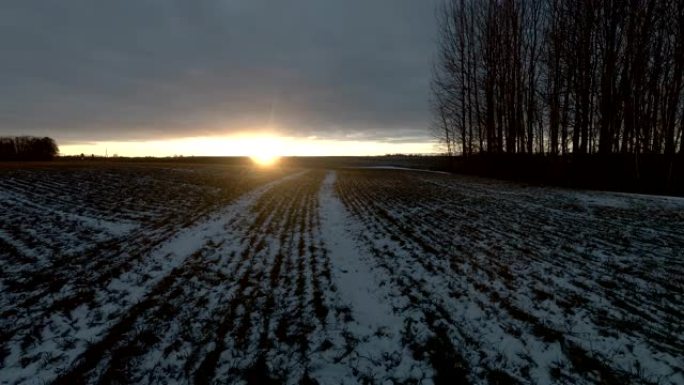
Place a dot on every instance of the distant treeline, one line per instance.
(561, 77)
(643, 173)
(27, 148)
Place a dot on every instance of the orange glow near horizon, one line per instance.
(266, 152)
(265, 160)
(262, 149)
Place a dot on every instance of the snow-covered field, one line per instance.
(200, 275)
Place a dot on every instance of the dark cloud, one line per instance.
(140, 69)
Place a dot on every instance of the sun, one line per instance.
(265, 151)
(265, 160)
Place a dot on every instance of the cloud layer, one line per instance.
(83, 70)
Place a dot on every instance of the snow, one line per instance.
(374, 320)
(344, 276)
(480, 224)
(401, 168)
(83, 325)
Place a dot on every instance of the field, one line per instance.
(201, 274)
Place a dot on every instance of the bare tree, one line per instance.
(561, 76)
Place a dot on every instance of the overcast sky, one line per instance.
(88, 70)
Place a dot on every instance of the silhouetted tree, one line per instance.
(27, 148)
(561, 76)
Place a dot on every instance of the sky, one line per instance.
(219, 77)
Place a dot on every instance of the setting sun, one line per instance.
(265, 160)
(265, 151)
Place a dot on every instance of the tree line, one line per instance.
(27, 148)
(560, 77)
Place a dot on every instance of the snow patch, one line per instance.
(375, 323)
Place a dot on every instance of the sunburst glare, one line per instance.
(266, 151)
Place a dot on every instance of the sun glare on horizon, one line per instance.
(265, 160)
(264, 150)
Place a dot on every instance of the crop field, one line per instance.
(203, 274)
